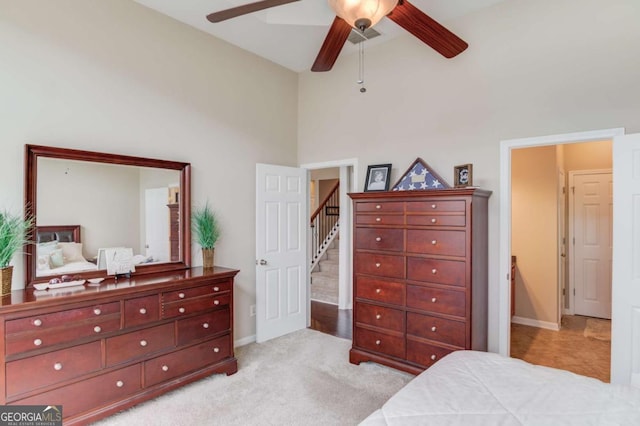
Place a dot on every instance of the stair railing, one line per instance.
(325, 224)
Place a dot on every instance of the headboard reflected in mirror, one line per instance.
(115, 200)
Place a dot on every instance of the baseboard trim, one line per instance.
(536, 323)
(323, 301)
(244, 341)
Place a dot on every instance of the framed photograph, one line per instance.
(463, 175)
(378, 178)
(420, 176)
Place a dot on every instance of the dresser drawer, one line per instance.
(61, 318)
(91, 393)
(377, 341)
(428, 241)
(191, 292)
(380, 290)
(54, 367)
(424, 354)
(191, 306)
(436, 220)
(380, 207)
(379, 239)
(203, 326)
(379, 264)
(139, 343)
(435, 205)
(175, 364)
(141, 310)
(38, 339)
(437, 300)
(391, 319)
(439, 329)
(449, 272)
(379, 219)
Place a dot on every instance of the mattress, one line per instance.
(479, 388)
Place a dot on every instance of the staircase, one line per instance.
(324, 278)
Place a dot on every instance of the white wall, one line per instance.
(117, 77)
(533, 68)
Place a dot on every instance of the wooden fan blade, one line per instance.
(337, 36)
(223, 15)
(427, 30)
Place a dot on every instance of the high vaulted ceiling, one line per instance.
(291, 35)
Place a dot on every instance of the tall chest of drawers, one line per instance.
(420, 275)
(98, 350)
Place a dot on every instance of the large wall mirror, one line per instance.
(87, 203)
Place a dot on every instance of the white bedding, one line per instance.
(71, 267)
(479, 388)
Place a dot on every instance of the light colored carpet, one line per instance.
(304, 378)
(598, 329)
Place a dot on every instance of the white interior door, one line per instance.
(562, 245)
(282, 275)
(157, 224)
(625, 332)
(592, 235)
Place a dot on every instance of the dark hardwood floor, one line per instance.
(327, 318)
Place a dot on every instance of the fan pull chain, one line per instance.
(361, 67)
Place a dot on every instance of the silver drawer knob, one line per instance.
(434, 220)
(378, 316)
(165, 368)
(37, 322)
(434, 242)
(216, 289)
(378, 290)
(434, 271)
(216, 350)
(57, 366)
(433, 357)
(378, 239)
(119, 383)
(434, 300)
(377, 265)
(181, 295)
(143, 343)
(205, 325)
(216, 302)
(378, 219)
(433, 328)
(181, 310)
(97, 311)
(37, 342)
(97, 329)
(433, 206)
(378, 206)
(378, 342)
(143, 311)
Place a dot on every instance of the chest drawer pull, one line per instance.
(216, 289)
(378, 206)
(378, 239)
(378, 316)
(57, 366)
(181, 295)
(434, 300)
(37, 322)
(97, 311)
(165, 368)
(434, 220)
(434, 242)
(37, 342)
(216, 302)
(97, 329)
(378, 219)
(143, 343)
(378, 290)
(433, 328)
(434, 271)
(434, 206)
(205, 325)
(143, 311)
(378, 342)
(119, 383)
(433, 357)
(216, 350)
(378, 265)
(181, 310)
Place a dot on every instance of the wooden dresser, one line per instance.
(420, 276)
(98, 350)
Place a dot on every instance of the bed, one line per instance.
(59, 251)
(479, 388)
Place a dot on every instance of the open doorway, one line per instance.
(561, 248)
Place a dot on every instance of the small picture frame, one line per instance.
(378, 177)
(463, 175)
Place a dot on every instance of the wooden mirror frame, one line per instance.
(33, 152)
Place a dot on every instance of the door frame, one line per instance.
(572, 248)
(504, 287)
(348, 183)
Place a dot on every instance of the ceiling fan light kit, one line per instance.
(362, 14)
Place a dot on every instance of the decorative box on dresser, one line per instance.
(98, 350)
(420, 275)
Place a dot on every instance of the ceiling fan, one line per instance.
(362, 14)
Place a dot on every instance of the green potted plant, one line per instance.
(206, 229)
(15, 232)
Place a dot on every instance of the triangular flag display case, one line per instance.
(420, 176)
